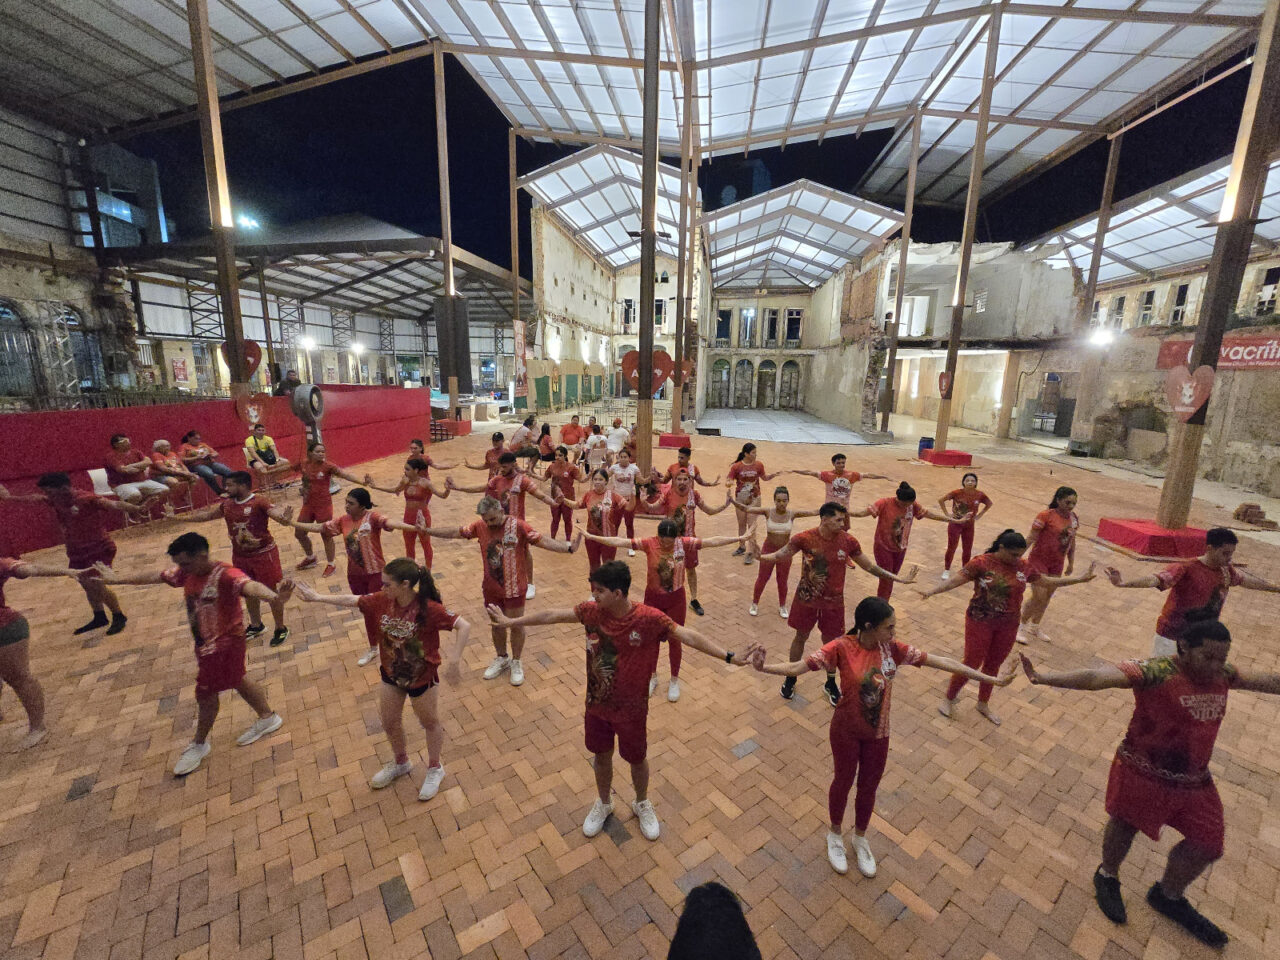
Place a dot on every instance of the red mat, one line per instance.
(674, 440)
(947, 458)
(1150, 539)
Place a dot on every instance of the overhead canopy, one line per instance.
(597, 193)
(765, 72)
(1166, 229)
(798, 234)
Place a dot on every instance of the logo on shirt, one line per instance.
(840, 554)
(634, 638)
(1204, 707)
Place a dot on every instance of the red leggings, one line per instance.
(564, 511)
(674, 605)
(629, 517)
(961, 533)
(890, 560)
(362, 583)
(986, 644)
(854, 758)
(411, 538)
(598, 553)
(762, 579)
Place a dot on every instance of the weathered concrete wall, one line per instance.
(775, 301)
(573, 292)
(1164, 301)
(833, 383)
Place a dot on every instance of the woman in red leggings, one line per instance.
(777, 525)
(562, 475)
(999, 577)
(968, 504)
(868, 658)
(604, 513)
(893, 529)
(417, 491)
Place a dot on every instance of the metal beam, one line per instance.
(800, 213)
(648, 235)
(684, 248)
(446, 230)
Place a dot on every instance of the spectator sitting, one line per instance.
(596, 450)
(128, 474)
(618, 437)
(202, 460)
(289, 384)
(260, 452)
(167, 466)
(572, 434)
(712, 927)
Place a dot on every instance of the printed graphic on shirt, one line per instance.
(602, 664)
(813, 577)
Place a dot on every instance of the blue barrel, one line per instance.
(926, 443)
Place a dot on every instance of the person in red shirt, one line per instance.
(680, 502)
(572, 434)
(15, 648)
(623, 642)
(778, 522)
(317, 503)
(826, 552)
(213, 590)
(968, 504)
(683, 465)
(838, 481)
(894, 516)
(546, 445)
(561, 474)
(408, 623)
(604, 510)
(747, 474)
(168, 468)
(999, 577)
(504, 542)
(666, 559)
(867, 659)
(202, 460)
(129, 474)
(83, 518)
(1160, 775)
(1053, 551)
(491, 455)
(253, 548)
(1194, 585)
(417, 491)
(418, 451)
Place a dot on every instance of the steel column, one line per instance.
(685, 247)
(446, 216)
(970, 228)
(648, 234)
(900, 290)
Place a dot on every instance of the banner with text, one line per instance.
(1238, 353)
(522, 375)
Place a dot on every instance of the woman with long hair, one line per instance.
(778, 521)
(893, 530)
(747, 475)
(409, 615)
(968, 504)
(417, 491)
(604, 512)
(1053, 551)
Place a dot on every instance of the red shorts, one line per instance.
(674, 605)
(1148, 803)
(361, 583)
(690, 558)
(316, 512)
(81, 556)
(632, 734)
(263, 567)
(829, 620)
(222, 668)
(1051, 566)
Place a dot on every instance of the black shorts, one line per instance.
(14, 632)
(413, 693)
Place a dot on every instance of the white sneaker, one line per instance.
(596, 817)
(947, 708)
(191, 758)
(946, 574)
(1023, 635)
(517, 672)
(530, 592)
(496, 667)
(367, 657)
(261, 727)
(783, 612)
(862, 852)
(836, 855)
(389, 774)
(673, 690)
(653, 684)
(431, 782)
(631, 553)
(754, 610)
(649, 825)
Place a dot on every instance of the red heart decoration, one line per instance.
(252, 355)
(687, 366)
(663, 367)
(1187, 392)
(252, 409)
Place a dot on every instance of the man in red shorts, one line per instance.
(317, 503)
(253, 549)
(1160, 775)
(678, 501)
(623, 641)
(504, 541)
(1199, 584)
(819, 598)
(213, 590)
(83, 518)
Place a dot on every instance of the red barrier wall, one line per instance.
(360, 423)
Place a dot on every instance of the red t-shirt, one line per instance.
(248, 526)
(213, 604)
(600, 509)
(997, 586)
(1192, 585)
(362, 539)
(965, 501)
(746, 478)
(866, 679)
(201, 452)
(316, 478)
(682, 509)
(822, 566)
(1055, 538)
(428, 461)
(893, 522)
(117, 459)
(7, 567)
(692, 470)
(170, 459)
(546, 446)
(83, 518)
(491, 459)
(417, 500)
(503, 554)
(562, 477)
(622, 653)
(571, 434)
(665, 571)
(839, 485)
(1175, 720)
(510, 492)
(409, 649)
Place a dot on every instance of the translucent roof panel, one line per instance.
(597, 193)
(798, 234)
(1164, 230)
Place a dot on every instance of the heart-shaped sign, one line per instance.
(252, 355)
(663, 367)
(252, 409)
(1187, 392)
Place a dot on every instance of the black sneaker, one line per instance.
(788, 688)
(280, 636)
(1187, 917)
(832, 690)
(739, 552)
(99, 620)
(1106, 890)
(254, 629)
(696, 607)
(118, 621)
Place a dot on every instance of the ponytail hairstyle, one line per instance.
(782, 490)
(416, 463)
(1202, 624)
(361, 496)
(746, 448)
(906, 493)
(668, 528)
(870, 613)
(1009, 539)
(404, 570)
(1061, 494)
(600, 472)
(546, 430)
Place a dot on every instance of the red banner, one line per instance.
(518, 351)
(1238, 353)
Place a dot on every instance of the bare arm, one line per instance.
(306, 593)
(955, 666)
(211, 512)
(540, 619)
(696, 640)
(462, 633)
(397, 525)
(1118, 580)
(1258, 682)
(559, 546)
(712, 511)
(480, 488)
(710, 542)
(107, 575)
(281, 515)
(441, 491)
(787, 550)
(21, 498)
(864, 512)
(445, 533)
(347, 475)
(619, 542)
(1070, 581)
(797, 514)
(1106, 677)
(27, 569)
(935, 515)
(961, 579)
(471, 466)
(817, 475)
(257, 591)
(877, 571)
(1251, 582)
(706, 483)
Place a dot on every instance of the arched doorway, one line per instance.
(766, 383)
(789, 393)
(742, 385)
(718, 384)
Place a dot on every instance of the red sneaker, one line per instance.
(329, 570)
(308, 563)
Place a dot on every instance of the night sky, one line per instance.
(367, 145)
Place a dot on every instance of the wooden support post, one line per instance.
(261, 269)
(685, 248)
(891, 361)
(648, 235)
(1008, 393)
(515, 235)
(446, 224)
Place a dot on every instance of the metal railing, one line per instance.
(720, 343)
(790, 344)
(103, 400)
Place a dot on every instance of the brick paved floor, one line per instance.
(987, 838)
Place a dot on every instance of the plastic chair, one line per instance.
(98, 477)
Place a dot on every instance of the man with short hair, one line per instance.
(617, 438)
(129, 475)
(678, 501)
(260, 453)
(289, 384)
(623, 642)
(683, 456)
(572, 434)
(490, 456)
(839, 481)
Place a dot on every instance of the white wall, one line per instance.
(31, 203)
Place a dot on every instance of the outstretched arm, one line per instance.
(712, 511)
(780, 554)
(471, 466)
(559, 546)
(1252, 582)
(539, 619)
(104, 573)
(397, 525)
(305, 592)
(21, 497)
(475, 488)
(1118, 580)
(955, 666)
(864, 512)
(876, 571)
(960, 580)
(445, 533)
(816, 474)
(348, 476)
(725, 541)
(26, 569)
(1069, 581)
(1258, 682)
(1106, 677)
(935, 515)
(697, 478)
(619, 542)
(696, 640)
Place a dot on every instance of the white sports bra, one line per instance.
(773, 525)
